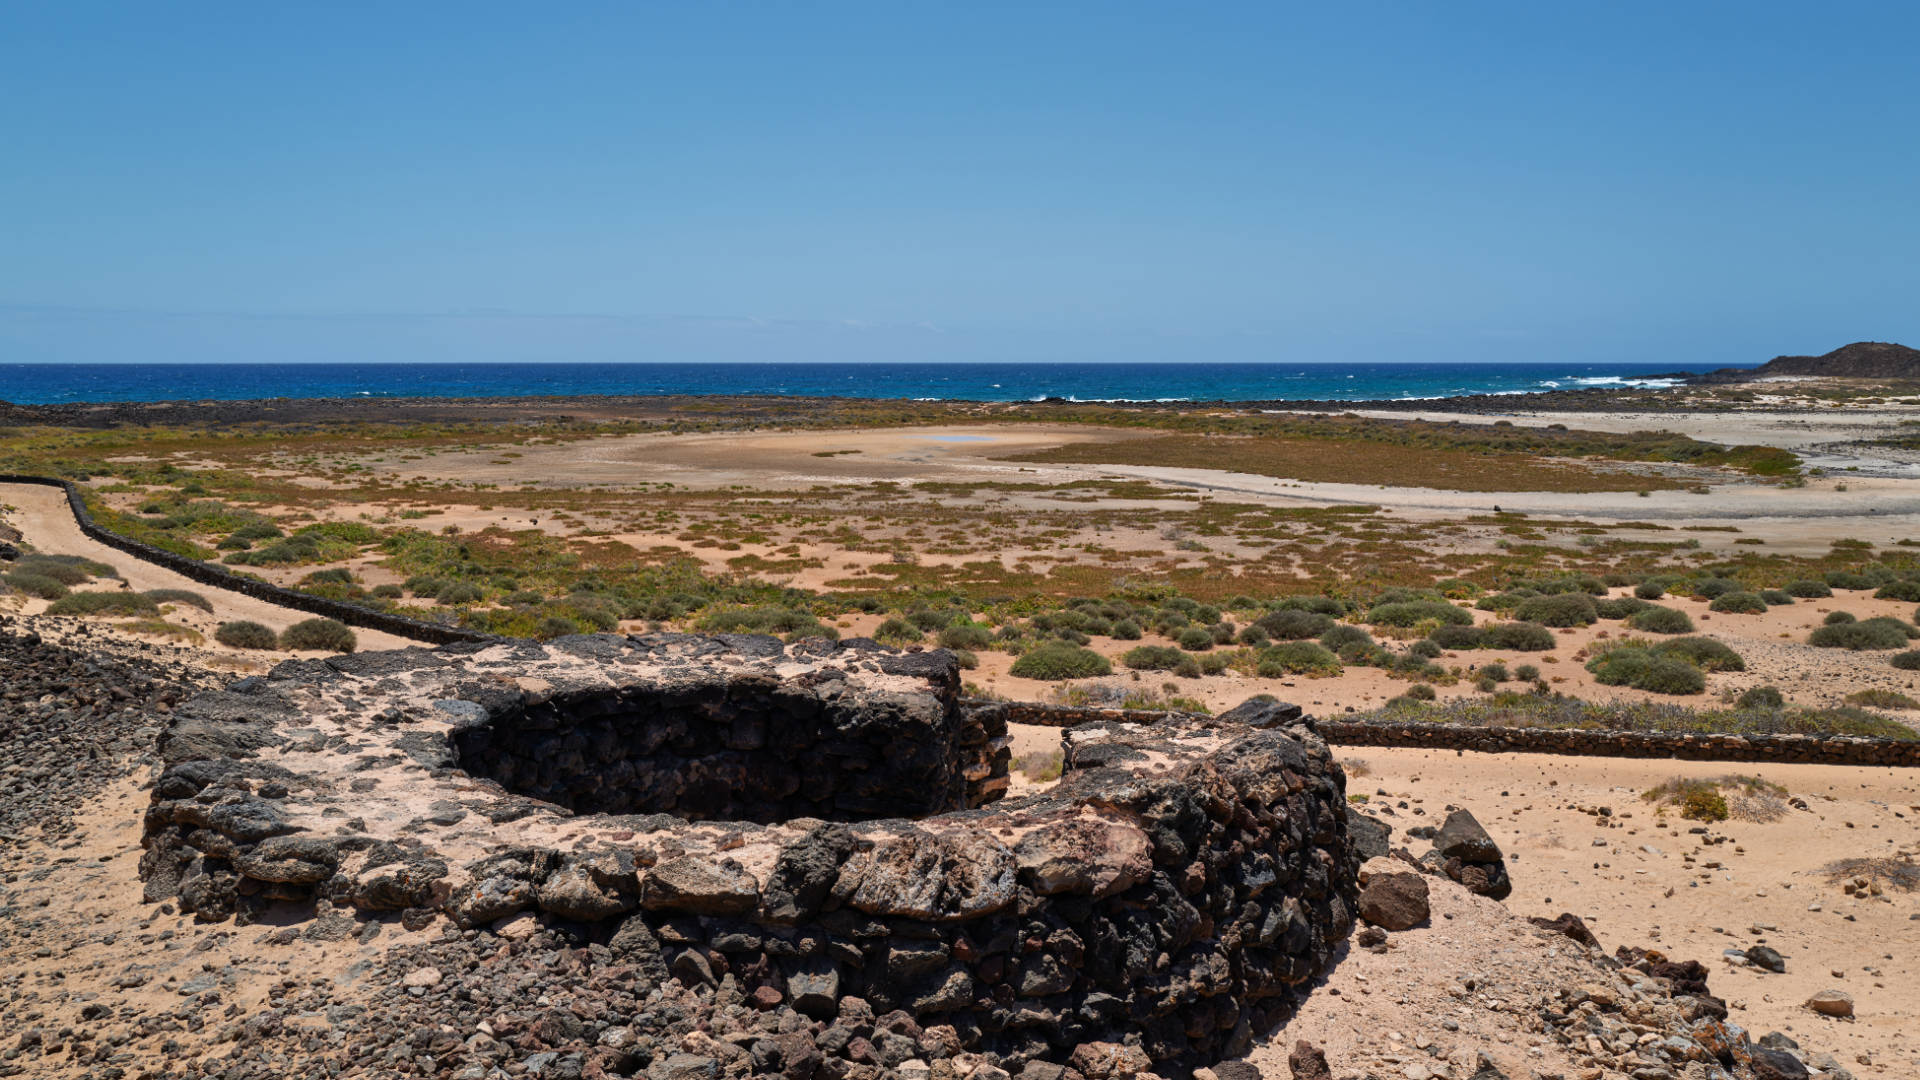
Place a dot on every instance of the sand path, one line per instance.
(44, 518)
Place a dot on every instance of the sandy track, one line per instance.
(44, 518)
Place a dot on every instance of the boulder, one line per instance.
(1463, 838)
(1395, 901)
(1831, 1003)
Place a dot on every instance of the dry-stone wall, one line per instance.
(1164, 900)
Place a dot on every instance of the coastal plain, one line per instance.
(1155, 552)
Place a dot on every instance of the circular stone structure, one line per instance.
(814, 822)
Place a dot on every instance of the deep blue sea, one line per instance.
(39, 384)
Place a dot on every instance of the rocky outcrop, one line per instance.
(1168, 897)
(1860, 360)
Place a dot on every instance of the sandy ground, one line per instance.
(43, 517)
(1645, 879)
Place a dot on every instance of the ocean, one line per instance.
(43, 384)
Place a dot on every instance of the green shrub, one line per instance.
(234, 543)
(1296, 658)
(1559, 609)
(1696, 800)
(1344, 635)
(1253, 636)
(1808, 590)
(1906, 661)
(1661, 620)
(1322, 605)
(1292, 624)
(1847, 579)
(1649, 590)
(1152, 658)
(1519, 637)
(1866, 634)
(1195, 639)
(897, 632)
(1526, 673)
(1426, 648)
(1882, 699)
(1458, 637)
(966, 635)
(1415, 612)
(1714, 587)
(770, 619)
(1762, 697)
(1643, 670)
(179, 596)
(1126, 630)
(1738, 603)
(325, 635)
(1619, 607)
(458, 592)
(1835, 618)
(392, 592)
(257, 530)
(965, 659)
(1907, 591)
(1054, 660)
(32, 584)
(1776, 597)
(241, 634)
(103, 603)
(336, 575)
(1703, 653)
(65, 573)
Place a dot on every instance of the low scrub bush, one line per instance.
(1458, 637)
(1660, 620)
(1906, 661)
(1649, 590)
(1643, 669)
(791, 623)
(1905, 590)
(242, 634)
(1882, 699)
(966, 635)
(1126, 630)
(1055, 660)
(1293, 624)
(457, 593)
(1195, 639)
(103, 603)
(1808, 590)
(324, 635)
(1703, 653)
(1519, 637)
(1345, 635)
(1152, 658)
(1296, 658)
(32, 584)
(1738, 603)
(1714, 587)
(1776, 597)
(180, 596)
(1861, 635)
(1761, 697)
(1559, 609)
(1321, 605)
(897, 632)
(1619, 607)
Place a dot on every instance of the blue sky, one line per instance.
(1701, 182)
